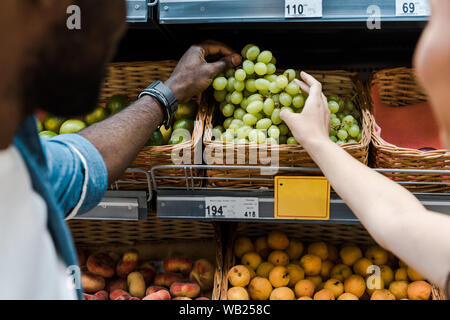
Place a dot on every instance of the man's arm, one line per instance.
(391, 214)
(120, 137)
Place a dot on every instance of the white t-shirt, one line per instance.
(30, 267)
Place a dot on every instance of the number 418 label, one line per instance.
(412, 8)
(303, 8)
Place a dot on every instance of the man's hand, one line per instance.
(193, 74)
(313, 124)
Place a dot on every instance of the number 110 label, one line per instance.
(302, 8)
(412, 8)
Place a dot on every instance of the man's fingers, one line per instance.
(315, 86)
(211, 48)
(217, 67)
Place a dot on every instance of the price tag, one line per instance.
(302, 8)
(404, 8)
(231, 208)
(304, 198)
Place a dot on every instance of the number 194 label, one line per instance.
(303, 8)
(231, 208)
(412, 8)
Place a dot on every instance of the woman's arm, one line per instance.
(391, 214)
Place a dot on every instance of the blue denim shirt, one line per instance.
(70, 175)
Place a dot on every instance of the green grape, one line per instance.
(252, 53)
(240, 75)
(273, 61)
(255, 107)
(333, 106)
(298, 101)
(348, 120)
(227, 122)
(249, 119)
(334, 139)
(243, 131)
(289, 74)
(220, 83)
(262, 84)
(263, 124)
(230, 84)
(335, 123)
(284, 130)
(276, 99)
(220, 128)
(271, 69)
(291, 140)
(273, 131)
(260, 68)
(244, 103)
(287, 108)
(349, 105)
(227, 136)
(265, 57)
(351, 141)
(236, 124)
(245, 49)
(229, 73)
(270, 77)
(292, 88)
(282, 82)
(259, 116)
(271, 140)
(228, 97)
(358, 138)
(220, 95)
(275, 117)
(354, 131)
(282, 139)
(333, 116)
(228, 110)
(333, 97)
(250, 85)
(249, 67)
(241, 140)
(299, 110)
(256, 136)
(239, 85)
(285, 99)
(342, 134)
(236, 97)
(255, 97)
(333, 131)
(265, 93)
(239, 113)
(268, 107)
(273, 87)
(341, 142)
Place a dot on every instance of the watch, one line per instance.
(165, 96)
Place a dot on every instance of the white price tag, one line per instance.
(302, 8)
(231, 208)
(405, 8)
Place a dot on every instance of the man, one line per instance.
(392, 215)
(44, 65)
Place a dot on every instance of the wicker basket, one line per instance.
(130, 78)
(155, 239)
(329, 233)
(398, 87)
(334, 82)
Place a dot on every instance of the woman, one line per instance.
(392, 215)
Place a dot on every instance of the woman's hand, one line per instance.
(313, 123)
(193, 74)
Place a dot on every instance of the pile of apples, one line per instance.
(113, 276)
(276, 267)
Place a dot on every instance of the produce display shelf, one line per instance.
(232, 11)
(190, 202)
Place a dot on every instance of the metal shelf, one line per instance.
(189, 202)
(235, 11)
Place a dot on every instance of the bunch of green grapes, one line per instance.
(252, 97)
(344, 120)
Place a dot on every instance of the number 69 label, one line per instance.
(302, 8)
(412, 8)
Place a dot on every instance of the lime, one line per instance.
(47, 134)
(39, 125)
(184, 124)
(156, 139)
(53, 123)
(116, 103)
(166, 133)
(99, 114)
(179, 136)
(186, 110)
(72, 126)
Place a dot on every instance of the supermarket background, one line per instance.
(161, 210)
